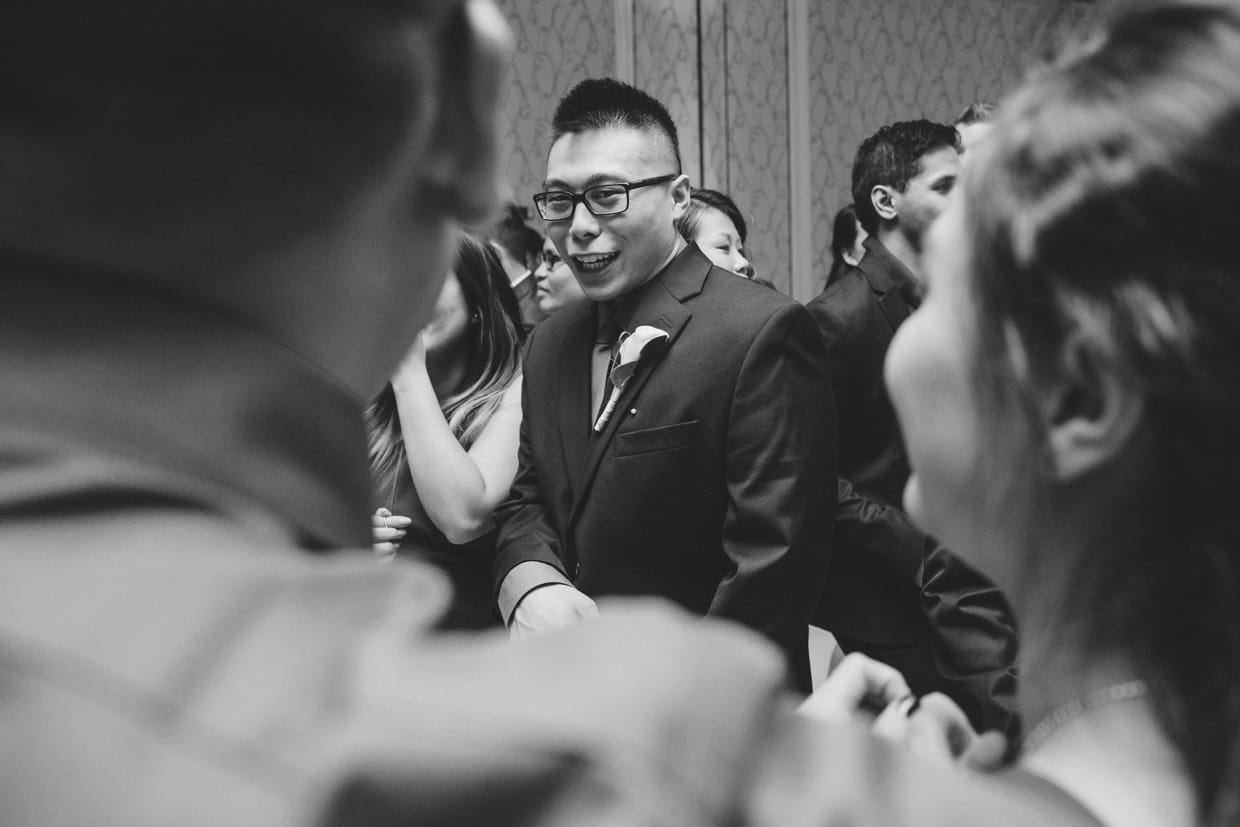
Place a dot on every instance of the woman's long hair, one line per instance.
(492, 362)
(843, 237)
(1104, 212)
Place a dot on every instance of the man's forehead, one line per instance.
(939, 161)
(612, 150)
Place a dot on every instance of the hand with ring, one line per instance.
(388, 530)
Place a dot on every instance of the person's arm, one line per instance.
(459, 489)
(882, 539)
(781, 475)
(974, 639)
(533, 589)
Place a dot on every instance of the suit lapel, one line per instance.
(660, 306)
(572, 385)
(875, 266)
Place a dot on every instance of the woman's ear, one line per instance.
(1091, 409)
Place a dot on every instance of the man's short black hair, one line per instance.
(892, 157)
(512, 233)
(603, 103)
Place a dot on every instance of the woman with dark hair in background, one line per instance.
(1069, 392)
(847, 237)
(444, 432)
(556, 284)
(716, 225)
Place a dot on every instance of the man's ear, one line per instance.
(1092, 411)
(682, 193)
(883, 199)
(462, 160)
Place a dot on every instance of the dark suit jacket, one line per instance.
(869, 596)
(858, 315)
(713, 483)
(951, 620)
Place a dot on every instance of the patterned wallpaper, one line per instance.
(666, 66)
(721, 66)
(757, 143)
(558, 42)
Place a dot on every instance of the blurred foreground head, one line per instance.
(1088, 282)
(296, 167)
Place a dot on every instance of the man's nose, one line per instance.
(584, 223)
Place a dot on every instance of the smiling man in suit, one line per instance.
(712, 481)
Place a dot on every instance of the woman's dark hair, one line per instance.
(843, 237)
(703, 199)
(1104, 212)
(493, 360)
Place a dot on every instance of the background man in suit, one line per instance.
(712, 481)
(953, 633)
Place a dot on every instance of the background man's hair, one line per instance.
(512, 233)
(976, 112)
(603, 103)
(891, 157)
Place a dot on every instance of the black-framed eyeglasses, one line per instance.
(603, 199)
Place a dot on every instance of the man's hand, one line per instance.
(548, 609)
(939, 731)
(857, 684)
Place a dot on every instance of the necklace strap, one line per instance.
(1061, 715)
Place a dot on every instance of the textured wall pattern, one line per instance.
(757, 100)
(558, 43)
(666, 65)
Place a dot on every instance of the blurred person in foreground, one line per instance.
(1068, 392)
(443, 433)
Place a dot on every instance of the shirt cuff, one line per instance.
(522, 579)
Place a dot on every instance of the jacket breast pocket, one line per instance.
(663, 438)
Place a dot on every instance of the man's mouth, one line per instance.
(593, 262)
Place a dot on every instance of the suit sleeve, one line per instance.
(780, 458)
(882, 539)
(525, 531)
(839, 362)
(974, 639)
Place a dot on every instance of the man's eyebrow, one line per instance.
(593, 180)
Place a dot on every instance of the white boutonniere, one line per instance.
(632, 347)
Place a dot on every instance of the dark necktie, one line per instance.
(604, 361)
